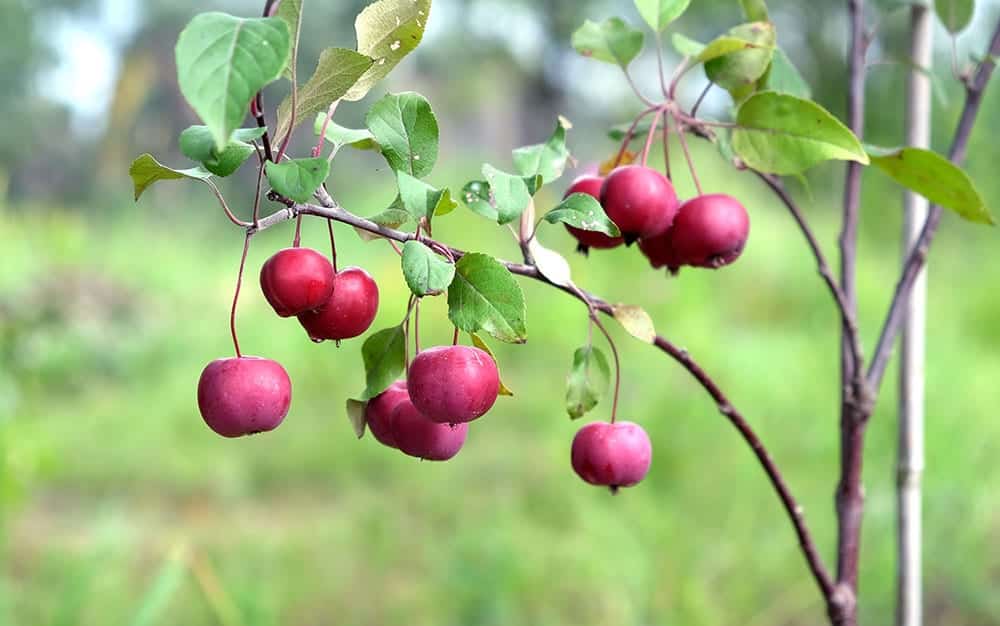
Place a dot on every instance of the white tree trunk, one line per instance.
(910, 464)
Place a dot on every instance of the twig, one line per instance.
(918, 256)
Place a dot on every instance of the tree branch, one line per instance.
(890, 327)
(331, 210)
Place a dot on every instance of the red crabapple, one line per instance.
(417, 435)
(640, 200)
(709, 231)
(295, 280)
(378, 412)
(611, 454)
(453, 384)
(244, 395)
(349, 310)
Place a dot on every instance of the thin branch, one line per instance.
(918, 255)
(726, 408)
(635, 89)
(225, 207)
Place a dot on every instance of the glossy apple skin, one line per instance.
(378, 412)
(349, 310)
(453, 384)
(611, 455)
(639, 200)
(418, 436)
(243, 396)
(710, 231)
(590, 185)
(295, 280)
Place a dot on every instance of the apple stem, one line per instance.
(416, 327)
(298, 231)
(318, 150)
(649, 136)
(666, 147)
(697, 103)
(333, 244)
(406, 334)
(618, 365)
(454, 337)
(629, 134)
(687, 155)
(236, 296)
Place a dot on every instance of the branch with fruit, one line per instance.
(423, 405)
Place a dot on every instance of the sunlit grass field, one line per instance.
(121, 507)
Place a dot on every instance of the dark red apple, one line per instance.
(453, 384)
(660, 252)
(243, 396)
(349, 310)
(295, 280)
(709, 231)
(612, 455)
(378, 412)
(587, 239)
(417, 435)
(639, 200)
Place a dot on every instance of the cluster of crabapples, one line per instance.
(708, 230)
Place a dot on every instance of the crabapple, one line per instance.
(244, 395)
(295, 280)
(590, 185)
(709, 231)
(349, 310)
(417, 435)
(453, 384)
(378, 412)
(614, 454)
(639, 200)
(660, 251)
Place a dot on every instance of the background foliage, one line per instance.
(119, 506)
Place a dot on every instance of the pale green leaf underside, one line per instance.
(223, 61)
(359, 138)
(387, 31)
(937, 179)
(356, 415)
(782, 134)
(583, 211)
(482, 345)
(660, 13)
(611, 41)
(588, 381)
(337, 71)
(146, 170)
(548, 159)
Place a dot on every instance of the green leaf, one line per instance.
(583, 211)
(955, 14)
(356, 413)
(387, 31)
(339, 136)
(784, 77)
(297, 179)
(721, 46)
(405, 127)
(552, 265)
(636, 321)
(588, 381)
(426, 273)
(420, 199)
(479, 343)
(290, 11)
(755, 10)
(618, 131)
(477, 196)
(393, 216)
(146, 170)
(509, 192)
(384, 355)
(197, 144)
(223, 61)
(736, 71)
(685, 46)
(612, 41)
(659, 13)
(782, 134)
(484, 296)
(337, 71)
(548, 159)
(936, 178)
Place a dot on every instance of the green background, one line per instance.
(118, 506)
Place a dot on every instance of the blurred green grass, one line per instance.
(121, 507)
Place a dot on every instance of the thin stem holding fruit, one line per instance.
(298, 232)
(236, 295)
(687, 155)
(333, 245)
(618, 365)
(629, 134)
(649, 136)
(416, 327)
(697, 103)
